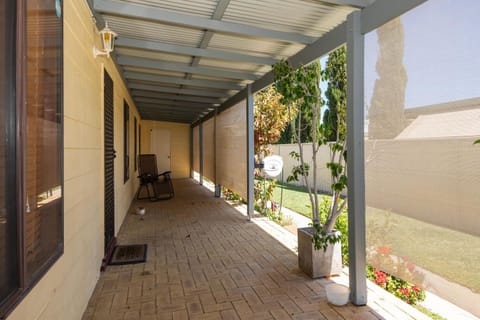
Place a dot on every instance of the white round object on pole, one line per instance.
(272, 166)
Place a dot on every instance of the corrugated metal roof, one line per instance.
(297, 16)
(200, 48)
(147, 30)
(203, 8)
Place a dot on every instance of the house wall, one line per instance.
(64, 291)
(179, 145)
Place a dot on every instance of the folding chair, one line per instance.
(157, 186)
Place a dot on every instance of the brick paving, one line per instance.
(206, 261)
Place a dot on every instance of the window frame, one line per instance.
(135, 143)
(126, 141)
(17, 127)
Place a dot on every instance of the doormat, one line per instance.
(129, 254)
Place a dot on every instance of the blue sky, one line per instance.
(442, 53)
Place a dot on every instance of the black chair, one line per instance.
(158, 186)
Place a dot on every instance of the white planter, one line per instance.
(318, 263)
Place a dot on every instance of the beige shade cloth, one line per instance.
(231, 146)
(209, 149)
(196, 149)
(422, 170)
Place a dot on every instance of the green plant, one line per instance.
(477, 141)
(230, 195)
(270, 118)
(402, 289)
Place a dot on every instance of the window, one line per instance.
(135, 151)
(9, 246)
(31, 190)
(126, 144)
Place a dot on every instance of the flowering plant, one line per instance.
(401, 285)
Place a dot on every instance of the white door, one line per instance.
(160, 146)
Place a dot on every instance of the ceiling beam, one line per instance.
(159, 15)
(165, 118)
(158, 95)
(382, 11)
(155, 64)
(190, 51)
(158, 106)
(181, 81)
(173, 103)
(146, 107)
(155, 88)
(350, 3)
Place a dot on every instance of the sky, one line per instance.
(441, 54)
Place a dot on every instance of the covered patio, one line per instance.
(206, 260)
(180, 83)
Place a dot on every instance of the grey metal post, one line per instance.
(191, 152)
(200, 151)
(356, 165)
(218, 187)
(250, 152)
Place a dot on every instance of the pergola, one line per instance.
(187, 61)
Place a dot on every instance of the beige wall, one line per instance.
(179, 145)
(324, 179)
(64, 291)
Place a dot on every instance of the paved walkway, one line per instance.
(206, 261)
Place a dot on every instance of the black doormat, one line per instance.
(129, 254)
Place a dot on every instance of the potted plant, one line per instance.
(319, 247)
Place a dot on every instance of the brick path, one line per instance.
(206, 261)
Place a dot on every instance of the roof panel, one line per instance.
(147, 30)
(202, 8)
(253, 46)
(298, 16)
(174, 58)
(154, 71)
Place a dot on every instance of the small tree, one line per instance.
(301, 87)
(335, 74)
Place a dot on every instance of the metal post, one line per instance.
(200, 151)
(191, 152)
(218, 187)
(356, 165)
(250, 152)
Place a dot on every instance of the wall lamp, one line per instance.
(108, 41)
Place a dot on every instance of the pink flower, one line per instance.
(383, 250)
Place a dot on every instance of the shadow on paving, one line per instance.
(206, 261)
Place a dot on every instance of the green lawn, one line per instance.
(451, 254)
(294, 198)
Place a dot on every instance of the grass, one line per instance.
(453, 255)
(431, 314)
(294, 198)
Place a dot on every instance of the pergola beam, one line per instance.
(173, 103)
(181, 81)
(350, 3)
(155, 107)
(382, 11)
(158, 95)
(155, 64)
(190, 51)
(155, 88)
(190, 21)
(322, 46)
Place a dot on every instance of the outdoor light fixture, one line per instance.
(108, 41)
